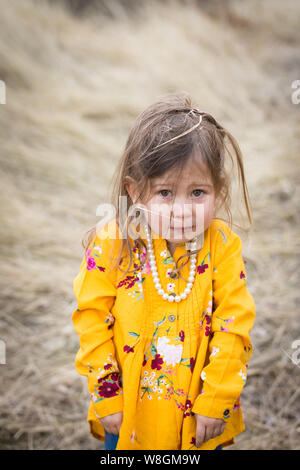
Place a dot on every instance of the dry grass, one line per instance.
(75, 82)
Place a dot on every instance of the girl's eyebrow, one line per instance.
(191, 184)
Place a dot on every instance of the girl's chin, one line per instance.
(181, 238)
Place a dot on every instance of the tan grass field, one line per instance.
(74, 84)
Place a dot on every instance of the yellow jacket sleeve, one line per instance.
(229, 324)
(95, 291)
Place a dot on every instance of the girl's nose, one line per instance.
(181, 213)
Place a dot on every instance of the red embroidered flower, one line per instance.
(242, 275)
(181, 335)
(130, 281)
(90, 263)
(192, 363)
(145, 360)
(107, 366)
(157, 362)
(114, 376)
(108, 389)
(207, 330)
(188, 404)
(201, 268)
(128, 349)
(193, 441)
(101, 268)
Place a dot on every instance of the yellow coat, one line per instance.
(161, 362)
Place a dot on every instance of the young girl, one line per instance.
(164, 317)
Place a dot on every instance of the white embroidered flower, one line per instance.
(215, 350)
(170, 352)
(203, 375)
(170, 286)
(98, 248)
(243, 375)
(163, 253)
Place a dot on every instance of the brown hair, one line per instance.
(155, 146)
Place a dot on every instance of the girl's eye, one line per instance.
(197, 191)
(164, 191)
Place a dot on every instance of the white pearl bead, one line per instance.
(191, 277)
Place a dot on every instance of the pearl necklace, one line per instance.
(161, 292)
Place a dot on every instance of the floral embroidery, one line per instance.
(202, 267)
(237, 404)
(90, 260)
(165, 355)
(137, 278)
(243, 375)
(170, 287)
(108, 384)
(203, 375)
(224, 322)
(188, 409)
(181, 335)
(109, 388)
(170, 352)
(215, 351)
(157, 362)
(191, 363)
(193, 442)
(128, 349)
(242, 275)
(223, 235)
(110, 319)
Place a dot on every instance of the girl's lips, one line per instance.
(183, 228)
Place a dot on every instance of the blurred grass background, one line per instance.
(77, 73)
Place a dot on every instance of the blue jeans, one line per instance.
(111, 441)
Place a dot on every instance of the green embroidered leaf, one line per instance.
(132, 333)
(153, 350)
(224, 238)
(160, 378)
(160, 322)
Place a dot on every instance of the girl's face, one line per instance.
(181, 206)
